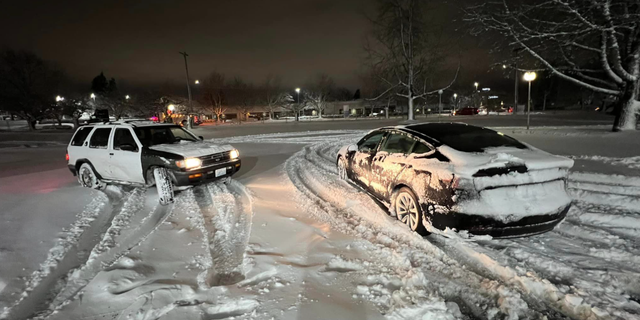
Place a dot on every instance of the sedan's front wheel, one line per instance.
(342, 169)
(408, 210)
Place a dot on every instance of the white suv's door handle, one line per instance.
(110, 153)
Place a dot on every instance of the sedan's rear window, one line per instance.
(466, 138)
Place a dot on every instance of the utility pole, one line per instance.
(186, 68)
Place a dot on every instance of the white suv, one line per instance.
(144, 153)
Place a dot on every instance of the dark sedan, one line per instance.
(453, 175)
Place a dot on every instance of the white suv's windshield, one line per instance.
(151, 136)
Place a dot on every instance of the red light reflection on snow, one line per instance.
(37, 183)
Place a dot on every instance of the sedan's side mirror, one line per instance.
(201, 138)
(352, 147)
(128, 147)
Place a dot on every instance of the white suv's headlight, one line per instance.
(189, 163)
(234, 154)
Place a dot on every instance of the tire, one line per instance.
(342, 169)
(88, 178)
(164, 185)
(408, 211)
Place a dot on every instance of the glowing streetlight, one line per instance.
(59, 98)
(298, 92)
(529, 77)
(197, 82)
(504, 66)
(127, 97)
(93, 96)
(171, 107)
(476, 84)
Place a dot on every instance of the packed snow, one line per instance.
(290, 240)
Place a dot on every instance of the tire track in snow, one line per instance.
(69, 253)
(325, 193)
(229, 204)
(540, 257)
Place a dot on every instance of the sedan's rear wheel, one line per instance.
(88, 178)
(342, 169)
(408, 210)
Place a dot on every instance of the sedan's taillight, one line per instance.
(66, 157)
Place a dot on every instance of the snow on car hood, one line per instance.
(466, 164)
(189, 149)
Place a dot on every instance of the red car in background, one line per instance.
(468, 111)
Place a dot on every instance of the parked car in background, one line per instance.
(145, 153)
(466, 111)
(453, 175)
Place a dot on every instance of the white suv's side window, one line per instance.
(80, 136)
(100, 138)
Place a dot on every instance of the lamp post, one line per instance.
(439, 104)
(197, 82)
(298, 92)
(476, 84)
(59, 98)
(529, 77)
(127, 97)
(93, 96)
(186, 68)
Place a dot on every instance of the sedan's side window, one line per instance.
(123, 137)
(421, 148)
(369, 144)
(100, 138)
(398, 143)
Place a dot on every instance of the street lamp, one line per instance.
(93, 96)
(127, 97)
(476, 84)
(529, 77)
(171, 107)
(59, 98)
(197, 81)
(440, 103)
(504, 66)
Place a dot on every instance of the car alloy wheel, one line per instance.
(407, 209)
(342, 169)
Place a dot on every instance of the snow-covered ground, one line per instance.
(286, 239)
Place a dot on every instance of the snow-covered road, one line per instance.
(588, 267)
(286, 239)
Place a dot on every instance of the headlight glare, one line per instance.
(189, 163)
(234, 154)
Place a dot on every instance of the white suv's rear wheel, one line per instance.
(164, 185)
(88, 178)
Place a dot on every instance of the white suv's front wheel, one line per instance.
(164, 185)
(88, 178)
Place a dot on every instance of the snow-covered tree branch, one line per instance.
(563, 36)
(406, 50)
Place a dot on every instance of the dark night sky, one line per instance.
(138, 42)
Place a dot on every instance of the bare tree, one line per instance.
(242, 96)
(565, 36)
(213, 94)
(272, 94)
(292, 105)
(318, 92)
(375, 89)
(405, 49)
(28, 85)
